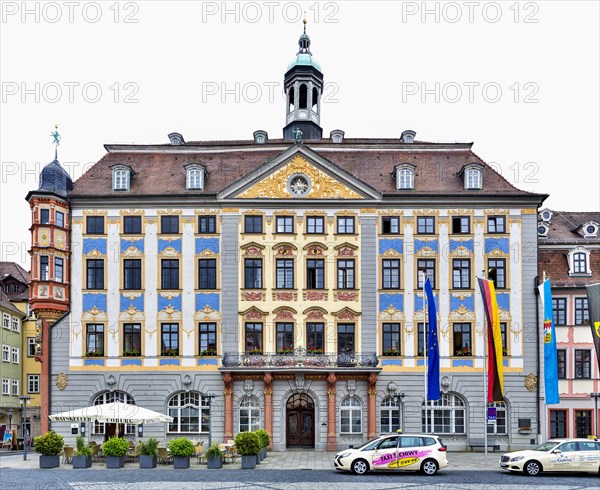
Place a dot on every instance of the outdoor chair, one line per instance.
(163, 456)
(95, 451)
(200, 452)
(68, 454)
(135, 453)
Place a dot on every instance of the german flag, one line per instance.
(495, 370)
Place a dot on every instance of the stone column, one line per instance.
(331, 413)
(372, 407)
(268, 391)
(228, 392)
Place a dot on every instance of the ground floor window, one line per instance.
(558, 423)
(190, 412)
(389, 415)
(497, 425)
(351, 416)
(111, 397)
(249, 414)
(445, 416)
(583, 423)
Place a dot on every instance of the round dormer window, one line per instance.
(542, 230)
(546, 215)
(591, 230)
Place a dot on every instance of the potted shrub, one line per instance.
(169, 352)
(148, 454)
(49, 446)
(391, 352)
(211, 351)
(265, 440)
(115, 450)
(181, 450)
(248, 445)
(82, 458)
(214, 457)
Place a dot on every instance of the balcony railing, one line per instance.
(300, 358)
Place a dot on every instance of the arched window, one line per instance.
(111, 397)
(579, 263)
(291, 100)
(497, 426)
(473, 178)
(190, 412)
(351, 416)
(121, 180)
(405, 177)
(315, 99)
(445, 416)
(303, 97)
(195, 177)
(389, 415)
(249, 414)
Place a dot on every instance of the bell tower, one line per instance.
(303, 84)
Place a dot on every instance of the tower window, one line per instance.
(59, 219)
(315, 99)
(291, 99)
(44, 216)
(303, 97)
(44, 268)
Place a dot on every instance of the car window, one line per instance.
(410, 441)
(369, 446)
(427, 441)
(588, 446)
(546, 446)
(568, 446)
(389, 443)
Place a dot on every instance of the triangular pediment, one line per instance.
(299, 173)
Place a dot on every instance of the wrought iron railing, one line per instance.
(299, 358)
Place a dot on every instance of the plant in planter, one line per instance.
(391, 352)
(265, 440)
(314, 351)
(115, 450)
(148, 453)
(169, 352)
(49, 446)
(181, 450)
(248, 445)
(131, 353)
(209, 352)
(82, 458)
(95, 353)
(214, 457)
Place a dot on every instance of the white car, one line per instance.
(555, 455)
(412, 452)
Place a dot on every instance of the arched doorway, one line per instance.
(300, 421)
(111, 429)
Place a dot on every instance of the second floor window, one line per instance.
(252, 273)
(561, 356)
(132, 339)
(132, 225)
(95, 274)
(461, 274)
(284, 224)
(315, 274)
(44, 216)
(425, 269)
(253, 224)
(169, 274)
(94, 225)
(169, 339)
(254, 338)
(59, 271)
(315, 338)
(461, 225)
(285, 274)
(391, 273)
(390, 225)
(207, 224)
(132, 274)
(583, 364)
(559, 310)
(208, 339)
(391, 339)
(497, 272)
(59, 219)
(496, 224)
(345, 274)
(169, 224)
(95, 339)
(345, 225)
(285, 338)
(345, 338)
(44, 268)
(207, 274)
(461, 337)
(315, 224)
(425, 225)
(581, 311)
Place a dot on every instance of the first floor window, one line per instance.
(208, 339)
(253, 224)
(461, 274)
(132, 273)
(45, 268)
(284, 224)
(315, 338)
(461, 336)
(315, 225)
(95, 274)
(249, 414)
(169, 224)
(346, 338)
(254, 338)
(132, 225)
(345, 274)
(169, 339)
(559, 311)
(425, 270)
(5, 353)
(58, 269)
(111, 397)
(504, 338)
(253, 273)
(583, 364)
(391, 339)
(94, 225)
(420, 339)
(391, 274)
(582, 316)
(558, 423)
(15, 387)
(285, 338)
(95, 339)
(190, 412)
(285, 274)
(583, 423)
(345, 225)
(33, 383)
(461, 225)
(389, 415)
(31, 346)
(132, 339)
(445, 416)
(390, 225)
(315, 274)
(497, 272)
(496, 224)
(15, 355)
(497, 426)
(561, 356)
(5, 386)
(351, 416)
(207, 224)
(169, 274)
(207, 274)
(425, 225)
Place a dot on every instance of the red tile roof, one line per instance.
(563, 226)
(554, 263)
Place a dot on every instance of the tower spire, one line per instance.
(56, 140)
(304, 41)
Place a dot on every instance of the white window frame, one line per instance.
(14, 355)
(353, 406)
(405, 177)
(16, 324)
(31, 342)
(14, 388)
(449, 405)
(6, 321)
(5, 353)
(5, 386)
(571, 260)
(195, 178)
(389, 406)
(196, 401)
(251, 407)
(33, 380)
(110, 397)
(121, 179)
(473, 178)
(492, 425)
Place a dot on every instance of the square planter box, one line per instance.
(249, 462)
(147, 462)
(49, 461)
(80, 462)
(181, 462)
(214, 463)
(114, 462)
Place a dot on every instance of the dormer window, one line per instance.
(195, 177)
(545, 215)
(472, 175)
(405, 176)
(543, 229)
(121, 177)
(590, 229)
(579, 262)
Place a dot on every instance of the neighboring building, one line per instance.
(15, 284)
(569, 254)
(283, 275)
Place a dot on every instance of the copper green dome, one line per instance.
(304, 59)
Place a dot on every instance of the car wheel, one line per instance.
(360, 467)
(429, 467)
(532, 468)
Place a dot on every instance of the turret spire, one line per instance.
(304, 41)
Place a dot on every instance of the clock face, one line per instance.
(299, 185)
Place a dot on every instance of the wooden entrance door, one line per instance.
(300, 421)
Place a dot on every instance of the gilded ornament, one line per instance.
(62, 381)
(530, 382)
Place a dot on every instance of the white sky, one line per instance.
(528, 75)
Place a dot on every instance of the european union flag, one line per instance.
(433, 351)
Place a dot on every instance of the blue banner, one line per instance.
(550, 356)
(433, 350)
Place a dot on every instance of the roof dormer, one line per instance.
(590, 229)
(121, 177)
(405, 176)
(472, 175)
(195, 175)
(545, 215)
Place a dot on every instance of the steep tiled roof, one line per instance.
(563, 226)
(554, 263)
(14, 270)
(7, 305)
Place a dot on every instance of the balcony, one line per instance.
(300, 358)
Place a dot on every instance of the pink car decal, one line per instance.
(400, 458)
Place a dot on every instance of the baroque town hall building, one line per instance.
(284, 276)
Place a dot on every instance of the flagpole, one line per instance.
(425, 332)
(485, 389)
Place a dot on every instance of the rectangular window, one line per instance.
(345, 225)
(391, 339)
(207, 273)
(558, 423)
(94, 225)
(95, 339)
(207, 224)
(132, 274)
(208, 339)
(58, 269)
(315, 274)
(15, 387)
(497, 272)
(6, 321)
(420, 339)
(284, 338)
(33, 383)
(44, 216)
(461, 336)
(16, 324)
(44, 268)
(390, 225)
(284, 224)
(5, 353)
(254, 338)
(315, 225)
(345, 338)
(583, 364)
(561, 356)
(169, 274)
(504, 338)
(345, 269)
(132, 225)
(581, 311)
(425, 269)
(425, 225)
(461, 273)
(559, 310)
(14, 355)
(315, 338)
(284, 274)
(5, 386)
(169, 224)
(132, 339)
(253, 224)
(59, 219)
(461, 225)
(583, 423)
(169, 339)
(253, 273)
(95, 273)
(496, 224)
(31, 346)
(391, 274)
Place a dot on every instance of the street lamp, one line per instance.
(211, 397)
(10, 414)
(398, 397)
(595, 396)
(24, 399)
